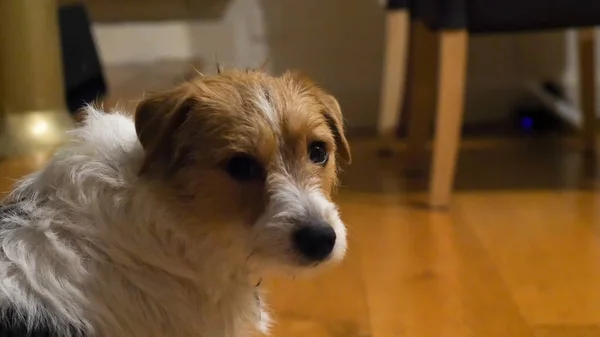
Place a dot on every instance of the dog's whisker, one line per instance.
(252, 253)
(198, 72)
(263, 66)
(351, 229)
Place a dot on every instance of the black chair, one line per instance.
(438, 64)
(82, 70)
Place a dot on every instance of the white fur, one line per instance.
(264, 105)
(292, 201)
(92, 247)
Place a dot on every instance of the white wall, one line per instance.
(142, 42)
(339, 43)
(237, 39)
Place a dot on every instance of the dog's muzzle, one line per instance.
(300, 220)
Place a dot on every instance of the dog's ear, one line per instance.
(158, 118)
(335, 121)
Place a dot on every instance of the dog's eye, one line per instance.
(317, 153)
(244, 168)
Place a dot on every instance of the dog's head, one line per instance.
(252, 156)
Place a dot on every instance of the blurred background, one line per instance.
(471, 203)
(341, 49)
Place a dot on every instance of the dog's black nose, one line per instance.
(314, 241)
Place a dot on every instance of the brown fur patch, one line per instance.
(191, 132)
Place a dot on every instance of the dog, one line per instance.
(161, 223)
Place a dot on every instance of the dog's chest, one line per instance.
(236, 314)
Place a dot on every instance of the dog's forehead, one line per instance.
(265, 114)
(278, 100)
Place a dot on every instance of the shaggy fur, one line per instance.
(137, 227)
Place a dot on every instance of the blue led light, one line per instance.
(527, 123)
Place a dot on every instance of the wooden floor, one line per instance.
(517, 254)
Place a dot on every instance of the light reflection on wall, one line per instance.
(28, 132)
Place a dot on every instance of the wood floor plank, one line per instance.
(427, 275)
(544, 248)
(15, 168)
(567, 331)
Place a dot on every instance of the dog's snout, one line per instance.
(314, 241)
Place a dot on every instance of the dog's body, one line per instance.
(157, 227)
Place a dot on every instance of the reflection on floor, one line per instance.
(518, 253)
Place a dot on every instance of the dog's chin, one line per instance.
(294, 264)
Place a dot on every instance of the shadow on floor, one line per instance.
(521, 164)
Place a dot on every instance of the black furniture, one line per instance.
(83, 75)
(488, 16)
